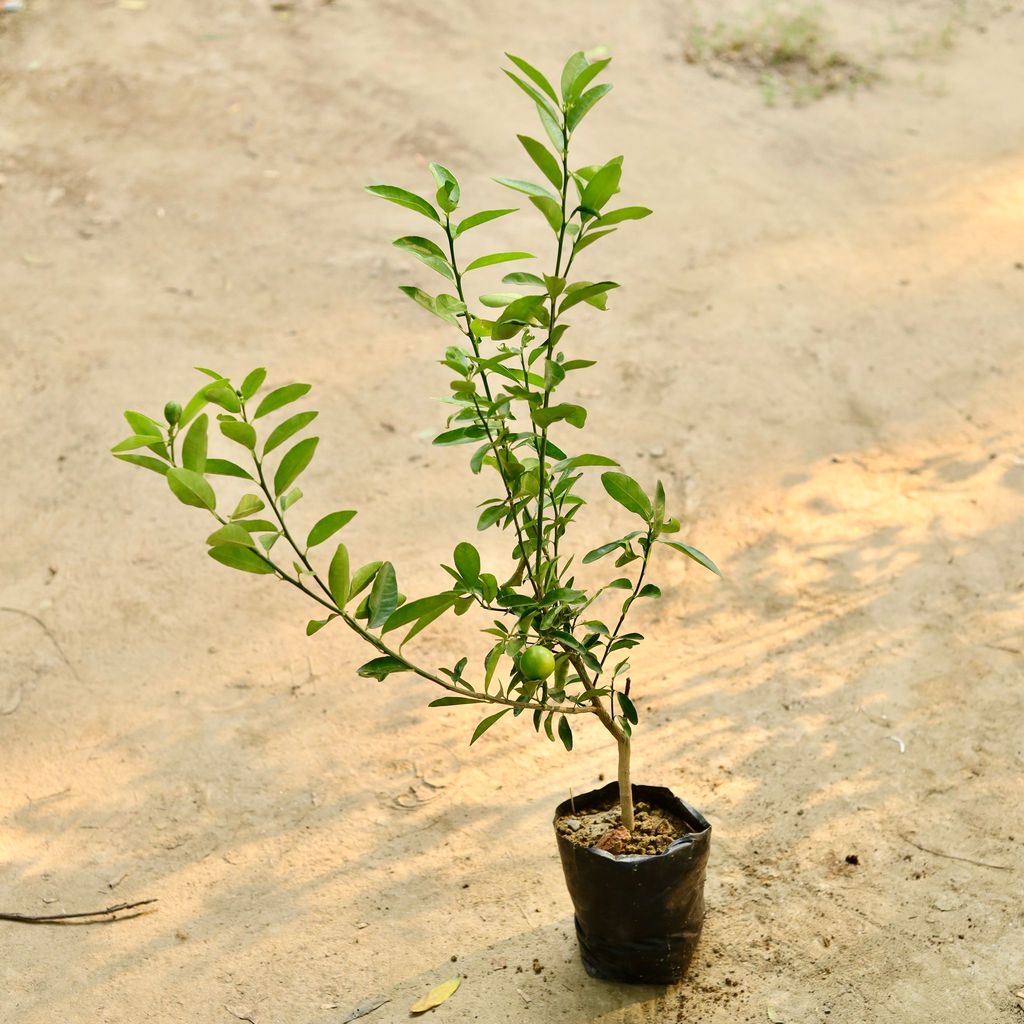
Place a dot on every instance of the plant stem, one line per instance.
(491, 439)
(626, 605)
(542, 454)
(622, 741)
(625, 785)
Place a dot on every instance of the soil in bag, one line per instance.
(640, 901)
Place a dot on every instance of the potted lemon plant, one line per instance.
(559, 649)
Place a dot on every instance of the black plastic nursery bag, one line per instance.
(638, 918)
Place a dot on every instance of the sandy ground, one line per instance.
(818, 347)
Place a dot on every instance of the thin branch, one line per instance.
(953, 856)
(107, 915)
(491, 439)
(552, 322)
(332, 606)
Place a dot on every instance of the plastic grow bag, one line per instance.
(638, 917)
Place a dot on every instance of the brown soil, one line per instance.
(817, 346)
(654, 829)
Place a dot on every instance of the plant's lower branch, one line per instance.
(484, 698)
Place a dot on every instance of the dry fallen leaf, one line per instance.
(436, 996)
(774, 1017)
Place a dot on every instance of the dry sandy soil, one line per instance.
(818, 347)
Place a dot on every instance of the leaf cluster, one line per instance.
(511, 370)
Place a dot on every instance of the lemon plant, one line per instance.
(559, 650)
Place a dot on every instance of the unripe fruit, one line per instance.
(172, 413)
(537, 663)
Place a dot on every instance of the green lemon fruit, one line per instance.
(172, 412)
(537, 663)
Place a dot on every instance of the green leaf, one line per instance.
(338, 582)
(426, 619)
(143, 424)
(552, 128)
(541, 156)
(328, 526)
(498, 300)
(649, 590)
(523, 309)
(427, 252)
(231, 533)
(444, 306)
(551, 210)
(534, 75)
(628, 493)
(315, 625)
(460, 435)
(294, 462)
(363, 576)
(447, 702)
(448, 191)
(628, 708)
(244, 559)
(222, 394)
(592, 237)
(617, 216)
(498, 257)
(490, 516)
(535, 94)
(222, 467)
(467, 561)
(404, 198)
(284, 430)
(585, 77)
(290, 498)
(147, 462)
(243, 433)
(280, 397)
(253, 382)
(697, 556)
(602, 186)
(523, 277)
(574, 67)
(575, 415)
(586, 294)
(248, 504)
(476, 219)
(259, 525)
(584, 104)
(136, 441)
(381, 668)
(578, 461)
(193, 407)
(600, 552)
(191, 489)
(486, 724)
(383, 595)
(526, 187)
(193, 449)
(414, 610)
(565, 732)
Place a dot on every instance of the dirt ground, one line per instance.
(818, 346)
